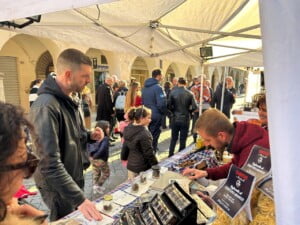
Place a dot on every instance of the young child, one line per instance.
(137, 147)
(99, 153)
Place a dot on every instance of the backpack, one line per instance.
(120, 100)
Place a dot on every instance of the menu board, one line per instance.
(233, 195)
(259, 162)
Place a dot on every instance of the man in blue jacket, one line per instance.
(154, 98)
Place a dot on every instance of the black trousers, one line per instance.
(181, 128)
(154, 128)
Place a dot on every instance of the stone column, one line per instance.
(2, 96)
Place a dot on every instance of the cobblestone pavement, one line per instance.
(118, 172)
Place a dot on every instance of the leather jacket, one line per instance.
(181, 103)
(62, 143)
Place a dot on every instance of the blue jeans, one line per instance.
(183, 129)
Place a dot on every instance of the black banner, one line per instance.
(259, 162)
(234, 193)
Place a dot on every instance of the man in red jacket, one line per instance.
(239, 138)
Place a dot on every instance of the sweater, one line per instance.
(246, 135)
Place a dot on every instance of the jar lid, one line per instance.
(108, 197)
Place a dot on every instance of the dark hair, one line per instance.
(181, 80)
(261, 101)
(156, 73)
(137, 113)
(72, 58)
(167, 85)
(213, 121)
(11, 119)
(103, 124)
(35, 82)
(12, 122)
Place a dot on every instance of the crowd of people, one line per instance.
(57, 134)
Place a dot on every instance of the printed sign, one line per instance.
(259, 162)
(234, 193)
(266, 186)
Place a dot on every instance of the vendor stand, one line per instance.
(165, 198)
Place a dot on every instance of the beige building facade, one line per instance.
(24, 58)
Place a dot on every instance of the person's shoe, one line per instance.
(114, 137)
(111, 140)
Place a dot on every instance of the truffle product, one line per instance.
(107, 199)
(155, 171)
(143, 178)
(135, 187)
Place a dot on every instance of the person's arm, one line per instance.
(193, 103)
(46, 121)
(103, 148)
(147, 149)
(161, 100)
(125, 151)
(219, 172)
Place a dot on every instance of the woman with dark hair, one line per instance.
(34, 87)
(17, 162)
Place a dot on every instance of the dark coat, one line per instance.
(104, 99)
(181, 103)
(137, 148)
(99, 150)
(245, 136)
(154, 98)
(63, 140)
(228, 100)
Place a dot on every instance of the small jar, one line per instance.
(155, 171)
(135, 186)
(107, 202)
(143, 178)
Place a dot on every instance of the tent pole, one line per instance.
(204, 41)
(234, 47)
(223, 88)
(239, 53)
(234, 34)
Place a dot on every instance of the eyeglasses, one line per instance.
(30, 165)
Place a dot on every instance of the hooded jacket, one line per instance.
(63, 142)
(246, 135)
(154, 97)
(137, 148)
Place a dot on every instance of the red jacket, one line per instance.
(245, 136)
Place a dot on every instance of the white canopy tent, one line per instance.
(168, 29)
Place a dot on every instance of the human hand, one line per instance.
(194, 173)
(97, 134)
(88, 209)
(28, 211)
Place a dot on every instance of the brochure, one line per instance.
(234, 194)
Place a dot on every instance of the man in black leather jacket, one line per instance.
(181, 103)
(59, 176)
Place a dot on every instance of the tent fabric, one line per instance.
(11, 10)
(124, 26)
